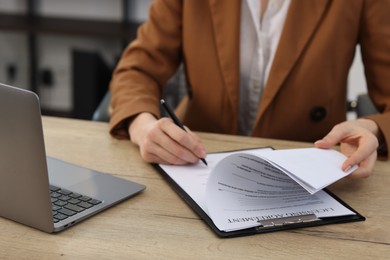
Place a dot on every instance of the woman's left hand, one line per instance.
(358, 141)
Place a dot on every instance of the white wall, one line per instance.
(13, 52)
(86, 9)
(356, 80)
(92, 9)
(139, 10)
(13, 47)
(13, 6)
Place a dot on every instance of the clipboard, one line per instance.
(270, 225)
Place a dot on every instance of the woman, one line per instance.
(274, 69)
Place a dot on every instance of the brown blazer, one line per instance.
(305, 95)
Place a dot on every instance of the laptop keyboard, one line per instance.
(66, 203)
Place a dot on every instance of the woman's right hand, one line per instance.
(162, 141)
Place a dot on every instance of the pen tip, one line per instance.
(204, 161)
(162, 101)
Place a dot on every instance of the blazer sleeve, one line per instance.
(146, 65)
(375, 48)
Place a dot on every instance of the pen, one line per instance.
(175, 120)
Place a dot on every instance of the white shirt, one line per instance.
(258, 43)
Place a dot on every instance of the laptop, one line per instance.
(43, 192)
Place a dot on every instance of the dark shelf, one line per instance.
(68, 26)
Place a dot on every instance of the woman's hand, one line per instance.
(358, 141)
(161, 141)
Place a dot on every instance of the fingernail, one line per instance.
(348, 168)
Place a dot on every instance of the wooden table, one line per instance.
(157, 224)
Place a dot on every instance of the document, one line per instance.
(242, 189)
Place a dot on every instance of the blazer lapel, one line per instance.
(301, 22)
(226, 22)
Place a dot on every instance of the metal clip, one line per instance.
(288, 220)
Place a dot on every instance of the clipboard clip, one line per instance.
(276, 222)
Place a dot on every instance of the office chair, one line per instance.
(362, 106)
(102, 112)
(174, 94)
(365, 106)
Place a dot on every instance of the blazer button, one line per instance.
(317, 114)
